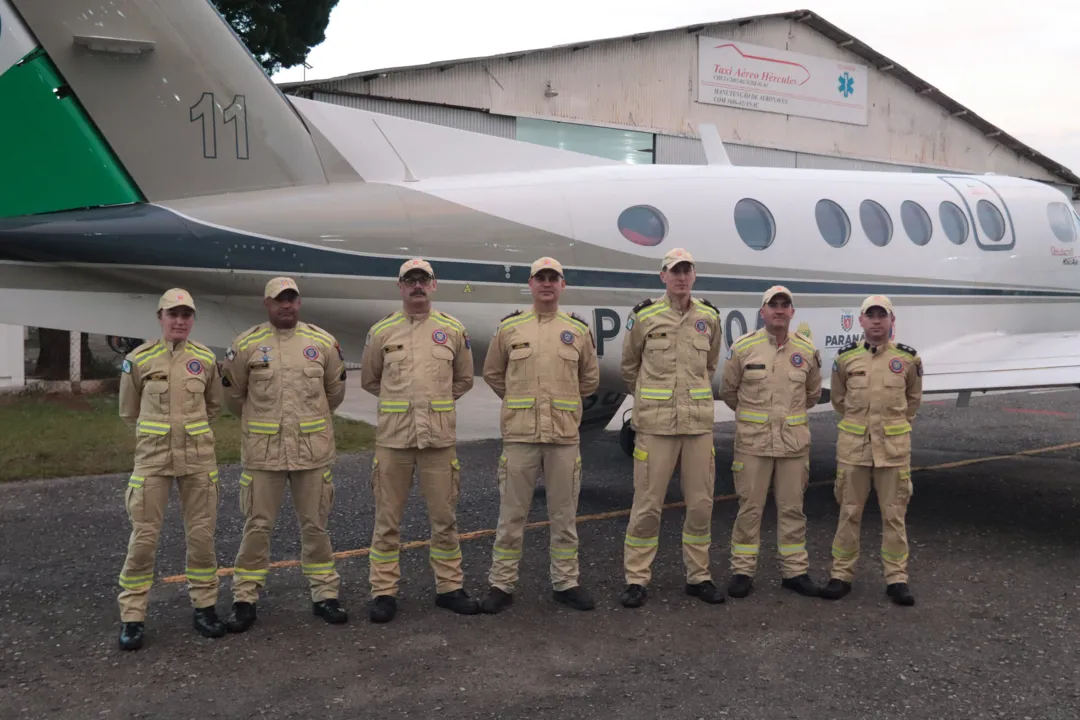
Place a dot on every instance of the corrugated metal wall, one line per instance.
(474, 120)
(672, 150)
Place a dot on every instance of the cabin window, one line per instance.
(832, 223)
(876, 223)
(916, 222)
(954, 222)
(754, 223)
(990, 220)
(1062, 221)
(643, 225)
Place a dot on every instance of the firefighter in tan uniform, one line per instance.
(670, 353)
(170, 392)
(877, 389)
(284, 378)
(771, 379)
(419, 362)
(542, 363)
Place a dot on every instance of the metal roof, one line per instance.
(809, 18)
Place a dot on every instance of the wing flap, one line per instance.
(1000, 361)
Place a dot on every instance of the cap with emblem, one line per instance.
(774, 291)
(876, 301)
(546, 263)
(674, 256)
(279, 285)
(415, 264)
(176, 297)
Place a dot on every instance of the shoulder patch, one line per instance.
(846, 348)
(507, 317)
(642, 305)
(125, 367)
(906, 348)
(579, 319)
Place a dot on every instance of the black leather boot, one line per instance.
(383, 608)
(330, 610)
(207, 622)
(458, 601)
(496, 601)
(131, 635)
(801, 584)
(900, 594)
(242, 618)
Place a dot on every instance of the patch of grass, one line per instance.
(45, 436)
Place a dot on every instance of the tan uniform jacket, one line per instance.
(170, 394)
(542, 365)
(668, 361)
(770, 389)
(877, 392)
(417, 365)
(285, 386)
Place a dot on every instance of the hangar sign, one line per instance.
(753, 77)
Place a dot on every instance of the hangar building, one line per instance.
(784, 90)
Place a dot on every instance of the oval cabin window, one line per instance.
(643, 225)
(876, 223)
(832, 223)
(916, 222)
(954, 222)
(1062, 221)
(754, 223)
(990, 220)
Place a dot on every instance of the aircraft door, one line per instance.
(990, 219)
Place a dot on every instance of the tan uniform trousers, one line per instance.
(146, 499)
(789, 478)
(894, 489)
(261, 494)
(520, 466)
(391, 481)
(655, 458)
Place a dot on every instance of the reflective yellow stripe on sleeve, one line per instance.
(795, 419)
(393, 406)
(442, 405)
(701, 393)
(263, 428)
(310, 426)
(656, 393)
(520, 403)
(197, 428)
(850, 427)
(900, 429)
(754, 417)
(569, 405)
(153, 428)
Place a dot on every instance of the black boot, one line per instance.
(242, 618)
(576, 597)
(801, 584)
(835, 590)
(458, 601)
(496, 601)
(633, 596)
(383, 608)
(900, 594)
(739, 586)
(706, 591)
(131, 635)
(330, 610)
(207, 623)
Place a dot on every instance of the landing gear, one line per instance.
(122, 345)
(626, 435)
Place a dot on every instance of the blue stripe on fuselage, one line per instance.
(149, 235)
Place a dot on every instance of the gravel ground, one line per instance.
(994, 633)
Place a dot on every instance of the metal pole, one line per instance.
(75, 355)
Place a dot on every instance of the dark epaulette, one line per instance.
(906, 348)
(706, 302)
(848, 347)
(642, 305)
(504, 319)
(579, 319)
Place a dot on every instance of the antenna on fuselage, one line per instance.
(409, 177)
(715, 154)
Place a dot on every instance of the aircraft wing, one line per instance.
(1001, 361)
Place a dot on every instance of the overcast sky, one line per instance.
(1017, 65)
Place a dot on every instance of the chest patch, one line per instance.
(265, 351)
(701, 326)
(896, 365)
(797, 360)
(311, 352)
(194, 367)
(567, 337)
(439, 336)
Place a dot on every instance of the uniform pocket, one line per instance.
(455, 480)
(313, 381)
(838, 486)
(316, 440)
(134, 502)
(500, 473)
(156, 397)
(246, 499)
(326, 501)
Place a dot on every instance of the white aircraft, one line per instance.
(161, 155)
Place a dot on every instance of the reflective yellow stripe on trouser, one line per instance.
(146, 498)
(520, 466)
(753, 476)
(261, 495)
(438, 471)
(893, 487)
(655, 457)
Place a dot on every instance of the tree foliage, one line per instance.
(279, 33)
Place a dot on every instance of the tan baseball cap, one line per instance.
(546, 263)
(415, 264)
(674, 256)
(876, 300)
(177, 297)
(279, 285)
(774, 291)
